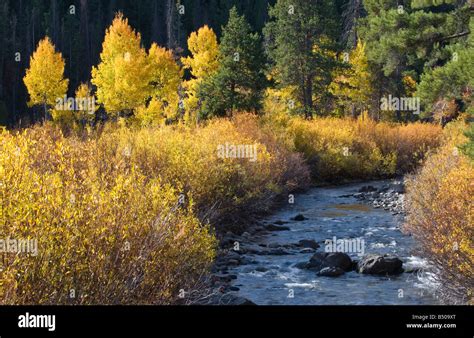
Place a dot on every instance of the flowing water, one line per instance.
(273, 279)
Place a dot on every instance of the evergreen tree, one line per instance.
(453, 80)
(406, 37)
(301, 40)
(240, 79)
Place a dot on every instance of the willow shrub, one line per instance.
(441, 215)
(121, 217)
(343, 149)
(224, 190)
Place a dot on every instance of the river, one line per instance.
(330, 212)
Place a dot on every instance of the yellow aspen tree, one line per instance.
(202, 63)
(165, 79)
(354, 87)
(122, 77)
(44, 78)
(85, 104)
(77, 111)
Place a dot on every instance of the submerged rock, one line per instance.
(308, 243)
(299, 218)
(331, 272)
(277, 252)
(302, 265)
(273, 227)
(261, 269)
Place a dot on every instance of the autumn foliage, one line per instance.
(128, 210)
(121, 77)
(344, 149)
(441, 215)
(122, 217)
(45, 78)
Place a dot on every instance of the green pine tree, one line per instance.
(302, 46)
(239, 82)
(409, 37)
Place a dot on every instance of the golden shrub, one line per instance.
(441, 215)
(344, 149)
(121, 215)
(188, 159)
(107, 234)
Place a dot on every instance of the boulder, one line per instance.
(380, 265)
(227, 299)
(321, 260)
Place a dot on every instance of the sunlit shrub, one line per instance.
(120, 215)
(221, 188)
(106, 232)
(344, 149)
(441, 215)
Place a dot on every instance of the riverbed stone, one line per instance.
(331, 272)
(229, 299)
(308, 243)
(321, 260)
(273, 227)
(380, 265)
(302, 265)
(233, 262)
(299, 218)
(397, 187)
(261, 269)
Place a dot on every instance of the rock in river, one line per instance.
(321, 260)
(380, 265)
(273, 227)
(308, 243)
(331, 272)
(299, 218)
